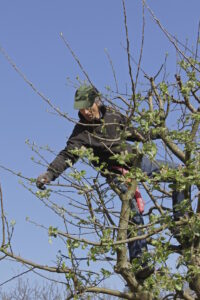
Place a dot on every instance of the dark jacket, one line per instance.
(106, 136)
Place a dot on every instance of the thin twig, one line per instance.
(44, 98)
(159, 71)
(128, 53)
(40, 94)
(3, 219)
(134, 61)
(170, 37)
(76, 58)
(186, 98)
(154, 88)
(113, 69)
(16, 276)
(153, 198)
(142, 45)
(197, 43)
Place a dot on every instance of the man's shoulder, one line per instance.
(79, 127)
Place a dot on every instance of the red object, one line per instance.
(138, 196)
(139, 200)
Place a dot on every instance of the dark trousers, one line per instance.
(137, 247)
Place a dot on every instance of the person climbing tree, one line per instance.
(106, 131)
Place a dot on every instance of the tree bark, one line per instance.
(123, 266)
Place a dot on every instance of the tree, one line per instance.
(23, 290)
(92, 211)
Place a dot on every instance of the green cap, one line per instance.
(85, 96)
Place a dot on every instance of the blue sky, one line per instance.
(30, 34)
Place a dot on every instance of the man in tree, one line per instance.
(105, 131)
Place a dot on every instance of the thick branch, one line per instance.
(173, 147)
(123, 267)
(115, 293)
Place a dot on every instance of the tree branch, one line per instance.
(76, 58)
(35, 265)
(3, 219)
(170, 38)
(128, 54)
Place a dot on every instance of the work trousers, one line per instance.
(137, 247)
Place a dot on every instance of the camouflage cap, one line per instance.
(85, 96)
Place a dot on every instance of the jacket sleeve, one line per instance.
(61, 162)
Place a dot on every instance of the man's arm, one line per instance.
(60, 163)
(57, 167)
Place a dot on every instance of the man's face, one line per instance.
(90, 113)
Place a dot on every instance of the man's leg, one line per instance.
(137, 247)
(178, 196)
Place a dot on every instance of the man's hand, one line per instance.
(43, 179)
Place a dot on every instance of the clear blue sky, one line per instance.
(30, 33)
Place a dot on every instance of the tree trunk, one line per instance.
(123, 266)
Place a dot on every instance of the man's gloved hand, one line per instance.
(43, 179)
